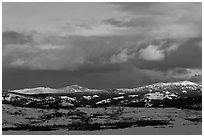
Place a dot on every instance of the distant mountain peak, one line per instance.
(36, 90)
(74, 87)
(77, 86)
(187, 82)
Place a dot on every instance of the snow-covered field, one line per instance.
(107, 120)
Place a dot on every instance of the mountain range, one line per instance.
(182, 94)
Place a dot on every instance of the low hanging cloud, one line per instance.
(158, 52)
(172, 48)
(152, 53)
(76, 52)
(121, 57)
(186, 55)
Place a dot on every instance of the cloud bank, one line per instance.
(148, 42)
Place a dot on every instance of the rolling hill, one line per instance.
(182, 94)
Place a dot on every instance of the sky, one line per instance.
(100, 45)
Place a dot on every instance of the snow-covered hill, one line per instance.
(174, 94)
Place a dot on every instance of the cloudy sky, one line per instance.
(100, 45)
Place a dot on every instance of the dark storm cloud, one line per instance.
(23, 78)
(13, 37)
(97, 62)
(67, 53)
(119, 78)
(79, 52)
(143, 44)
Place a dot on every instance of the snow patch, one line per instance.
(173, 95)
(132, 95)
(95, 96)
(116, 98)
(167, 92)
(104, 101)
(67, 98)
(184, 91)
(156, 96)
(87, 97)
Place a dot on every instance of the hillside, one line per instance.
(182, 94)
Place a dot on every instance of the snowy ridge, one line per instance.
(38, 90)
(159, 94)
(77, 88)
(184, 83)
(171, 84)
